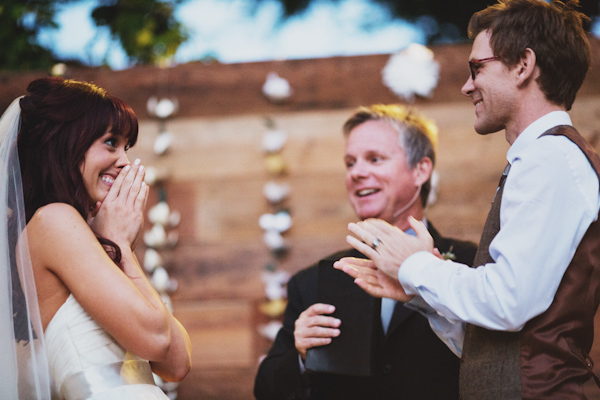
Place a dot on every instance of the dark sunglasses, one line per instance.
(475, 64)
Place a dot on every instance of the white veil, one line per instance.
(23, 363)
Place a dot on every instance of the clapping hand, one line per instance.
(371, 279)
(388, 248)
(120, 217)
(387, 245)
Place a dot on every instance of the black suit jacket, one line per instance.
(412, 363)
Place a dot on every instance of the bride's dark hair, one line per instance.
(60, 120)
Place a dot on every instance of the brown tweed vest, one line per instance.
(549, 358)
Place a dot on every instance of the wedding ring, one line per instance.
(376, 243)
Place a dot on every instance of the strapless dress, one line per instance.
(87, 363)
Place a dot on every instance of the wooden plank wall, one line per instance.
(217, 172)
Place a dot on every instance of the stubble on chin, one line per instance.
(485, 128)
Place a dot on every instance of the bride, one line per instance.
(67, 245)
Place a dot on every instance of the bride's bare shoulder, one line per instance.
(56, 218)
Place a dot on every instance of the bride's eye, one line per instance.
(112, 142)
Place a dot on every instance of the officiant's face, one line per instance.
(378, 179)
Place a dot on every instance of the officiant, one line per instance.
(390, 153)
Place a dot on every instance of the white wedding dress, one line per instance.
(87, 363)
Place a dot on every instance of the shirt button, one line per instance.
(387, 368)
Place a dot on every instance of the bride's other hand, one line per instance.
(120, 217)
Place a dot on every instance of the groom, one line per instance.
(529, 304)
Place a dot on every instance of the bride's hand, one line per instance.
(120, 217)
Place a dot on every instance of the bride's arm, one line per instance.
(126, 306)
(172, 368)
(122, 302)
(129, 194)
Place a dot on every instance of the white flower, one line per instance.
(280, 222)
(411, 72)
(156, 236)
(174, 219)
(273, 141)
(270, 330)
(151, 176)
(275, 192)
(273, 240)
(159, 213)
(160, 279)
(162, 108)
(154, 175)
(152, 260)
(278, 277)
(162, 143)
(276, 88)
(275, 291)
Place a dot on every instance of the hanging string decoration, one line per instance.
(274, 224)
(163, 235)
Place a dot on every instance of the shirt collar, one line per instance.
(535, 129)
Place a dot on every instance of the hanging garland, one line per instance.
(163, 235)
(274, 224)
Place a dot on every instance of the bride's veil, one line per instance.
(23, 363)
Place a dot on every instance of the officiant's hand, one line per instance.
(315, 328)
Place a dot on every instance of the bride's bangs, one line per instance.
(124, 122)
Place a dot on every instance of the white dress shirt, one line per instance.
(550, 198)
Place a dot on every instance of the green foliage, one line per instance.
(20, 21)
(146, 29)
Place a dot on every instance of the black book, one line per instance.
(353, 352)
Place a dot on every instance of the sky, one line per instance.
(234, 31)
(243, 31)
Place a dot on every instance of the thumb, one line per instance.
(422, 233)
(418, 227)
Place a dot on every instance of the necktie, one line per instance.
(388, 305)
(504, 174)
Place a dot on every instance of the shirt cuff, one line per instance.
(301, 363)
(411, 267)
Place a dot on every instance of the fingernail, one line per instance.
(127, 167)
(141, 168)
(137, 161)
